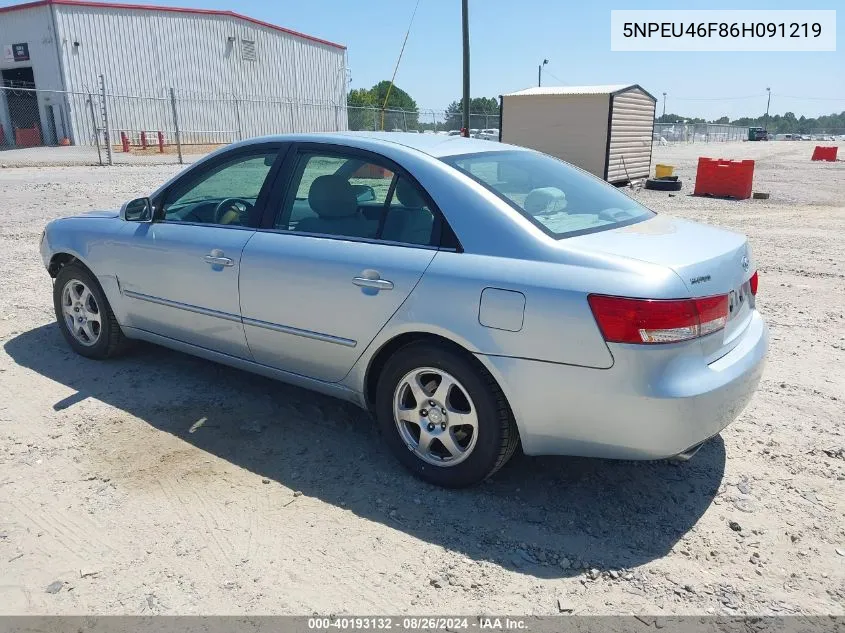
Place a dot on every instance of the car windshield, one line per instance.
(560, 199)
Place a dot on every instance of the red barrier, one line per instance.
(724, 178)
(160, 143)
(143, 140)
(825, 153)
(27, 137)
(124, 141)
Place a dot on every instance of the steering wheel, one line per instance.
(230, 209)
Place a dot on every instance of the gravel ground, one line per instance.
(159, 483)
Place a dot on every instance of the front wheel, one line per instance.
(84, 315)
(444, 416)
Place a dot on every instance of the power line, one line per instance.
(556, 78)
(396, 69)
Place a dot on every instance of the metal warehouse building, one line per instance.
(606, 130)
(217, 75)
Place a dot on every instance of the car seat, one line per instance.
(333, 201)
(411, 222)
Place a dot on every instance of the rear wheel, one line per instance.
(443, 416)
(84, 315)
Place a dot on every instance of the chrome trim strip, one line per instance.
(318, 336)
(326, 338)
(346, 238)
(183, 306)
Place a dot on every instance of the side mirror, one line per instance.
(364, 193)
(137, 210)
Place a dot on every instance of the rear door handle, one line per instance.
(378, 284)
(216, 258)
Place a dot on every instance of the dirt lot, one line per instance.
(160, 483)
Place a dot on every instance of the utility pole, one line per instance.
(664, 105)
(540, 72)
(768, 103)
(465, 116)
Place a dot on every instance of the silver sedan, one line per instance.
(474, 296)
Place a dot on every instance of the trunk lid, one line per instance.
(709, 260)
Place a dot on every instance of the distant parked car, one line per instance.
(757, 134)
(473, 296)
(490, 134)
(454, 132)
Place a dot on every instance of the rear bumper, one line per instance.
(655, 402)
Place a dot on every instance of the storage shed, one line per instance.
(606, 130)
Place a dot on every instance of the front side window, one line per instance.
(348, 196)
(560, 199)
(224, 195)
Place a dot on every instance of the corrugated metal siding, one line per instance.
(570, 127)
(631, 129)
(145, 52)
(35, 27)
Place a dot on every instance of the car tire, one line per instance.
(475, 392)
(102, 338)
(656, 184)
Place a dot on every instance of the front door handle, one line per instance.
(377, 284)
(216, 258)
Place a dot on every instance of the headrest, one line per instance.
(332, 196)
(408, 195)
(544, 200)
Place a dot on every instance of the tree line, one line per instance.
(367, 111)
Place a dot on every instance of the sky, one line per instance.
(509, 38)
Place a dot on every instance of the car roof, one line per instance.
(435, 145)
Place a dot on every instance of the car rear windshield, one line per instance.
(560, 199)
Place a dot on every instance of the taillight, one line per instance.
(624, 320)
(753, 283)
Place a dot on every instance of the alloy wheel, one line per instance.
(435, 416)
(81, 313)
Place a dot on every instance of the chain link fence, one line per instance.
(96, 127)
(719, 133)
(423, 121)
(698, 133)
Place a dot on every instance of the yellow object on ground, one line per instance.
(663, 171)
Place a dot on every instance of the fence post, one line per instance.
(95, 129)
(404, 121)
(176, 124)
(238, 118)
(106, 134)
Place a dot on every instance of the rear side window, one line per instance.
(347, 196)
(560, 199)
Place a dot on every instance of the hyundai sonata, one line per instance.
(474, 296)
